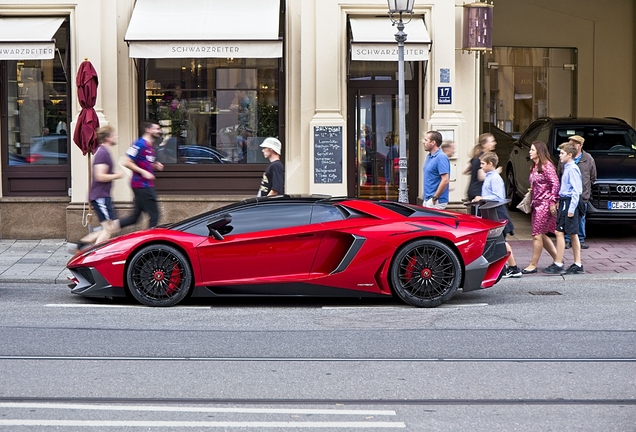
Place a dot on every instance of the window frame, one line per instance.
(37, 179)
(216, 179)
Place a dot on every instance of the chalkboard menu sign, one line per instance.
(327, 154)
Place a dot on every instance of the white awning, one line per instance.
(210, 28)
(28, 38)
(374, 40)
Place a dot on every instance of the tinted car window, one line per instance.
(260, 218)
(543, 135)
(268, 217)
(325, 213)
(600, 139)
(531, 134)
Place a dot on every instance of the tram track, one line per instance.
(303, 401)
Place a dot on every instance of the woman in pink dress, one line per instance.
(544, 185)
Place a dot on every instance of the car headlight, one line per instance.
(496, 232)
(94, 248)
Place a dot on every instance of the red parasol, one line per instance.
(87, 122)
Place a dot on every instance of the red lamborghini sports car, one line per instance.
(299, 246)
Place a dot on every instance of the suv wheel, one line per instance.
(511, 189)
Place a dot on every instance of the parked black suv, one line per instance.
(612, 144)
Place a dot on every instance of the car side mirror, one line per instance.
(218, 226)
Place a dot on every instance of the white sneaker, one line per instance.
(513, 272)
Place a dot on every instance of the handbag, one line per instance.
(526, 203)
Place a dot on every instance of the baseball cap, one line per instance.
(273, 144)
(578, 138)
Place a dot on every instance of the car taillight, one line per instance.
(496, 232)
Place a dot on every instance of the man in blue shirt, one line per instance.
(140, 159)
(436, 172)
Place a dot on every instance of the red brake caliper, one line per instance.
(175, 280)
(410, 269)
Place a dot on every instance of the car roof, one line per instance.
(585, 121)
(377, 208)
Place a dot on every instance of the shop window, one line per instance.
(35, 103)
(523, 84)
(212, 111)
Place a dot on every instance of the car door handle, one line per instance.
(305, 235)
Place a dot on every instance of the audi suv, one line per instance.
(612, 144)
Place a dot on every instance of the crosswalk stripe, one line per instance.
(200, 424)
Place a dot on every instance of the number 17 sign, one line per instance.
(444, 95)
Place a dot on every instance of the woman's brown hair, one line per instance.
(542, 154)
(479, 147)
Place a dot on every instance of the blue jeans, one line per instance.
(581, 226)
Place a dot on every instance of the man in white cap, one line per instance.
(273, 182)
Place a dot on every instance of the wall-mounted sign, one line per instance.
(216, 49)
(444, 75)
(27, 51)
(374, 40)
(444, 95)
(327, 154)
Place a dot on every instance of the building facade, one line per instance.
(319, 75)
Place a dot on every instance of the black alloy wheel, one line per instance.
(159, 275)
(425, 273)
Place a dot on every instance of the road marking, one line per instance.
(446, 306)
(466, 305)
(203, 424)
(327, 359)
(155, 408)
(79, 305)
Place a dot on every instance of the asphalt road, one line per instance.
(527, 355)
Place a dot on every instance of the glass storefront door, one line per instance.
(373, 129)
(374, 144)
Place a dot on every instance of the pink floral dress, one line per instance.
(545, 192)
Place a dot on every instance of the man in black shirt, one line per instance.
(273, 182)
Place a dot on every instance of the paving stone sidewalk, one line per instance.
(34, 261)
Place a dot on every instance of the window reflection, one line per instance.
(37, 111)
(212, 111)
(523, 84)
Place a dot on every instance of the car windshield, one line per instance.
(601, 139)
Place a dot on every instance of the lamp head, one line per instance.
(400, 6)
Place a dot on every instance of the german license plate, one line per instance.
(621, 205)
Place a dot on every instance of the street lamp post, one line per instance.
(400, 7)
